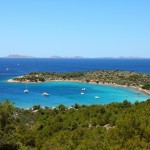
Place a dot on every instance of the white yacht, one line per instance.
(45, 94)
(26, 91)
(82, 93)
(83, 89)
(96, 97)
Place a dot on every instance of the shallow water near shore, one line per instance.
(67, 93)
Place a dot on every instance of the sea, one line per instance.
(67, 93)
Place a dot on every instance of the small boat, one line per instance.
(7, 69)
(96, 97)
(45, 94)
(26, 91)
(83, 89)
(82, 93)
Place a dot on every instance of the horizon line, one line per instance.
(75, 57)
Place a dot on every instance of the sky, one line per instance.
(88, 28)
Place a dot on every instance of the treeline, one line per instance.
(100, 76)
(116, 126)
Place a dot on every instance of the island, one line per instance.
(18, 56)
(139, 81)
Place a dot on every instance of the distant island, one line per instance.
(18, 56)
(139, 81)
(66, 57)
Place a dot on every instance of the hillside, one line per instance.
(116, 126)
(114, 77)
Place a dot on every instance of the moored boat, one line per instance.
(45, 94)
(26, 91)
(96, 97)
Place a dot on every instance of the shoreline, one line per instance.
(147, 92)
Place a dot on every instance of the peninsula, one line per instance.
(139, 81)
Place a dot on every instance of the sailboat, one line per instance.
(82, 93)
(26, 90)
(96, 97)
(45, 94)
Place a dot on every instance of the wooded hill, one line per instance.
(116, 126)
(102, 76)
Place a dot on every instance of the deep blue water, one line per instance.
(71, 65)
(67, 93)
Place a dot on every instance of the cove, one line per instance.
(67, 93)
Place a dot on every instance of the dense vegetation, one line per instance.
(116, 126)
(101, 76)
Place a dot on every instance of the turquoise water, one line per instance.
(67, 93)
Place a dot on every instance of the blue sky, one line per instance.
(89, 28)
